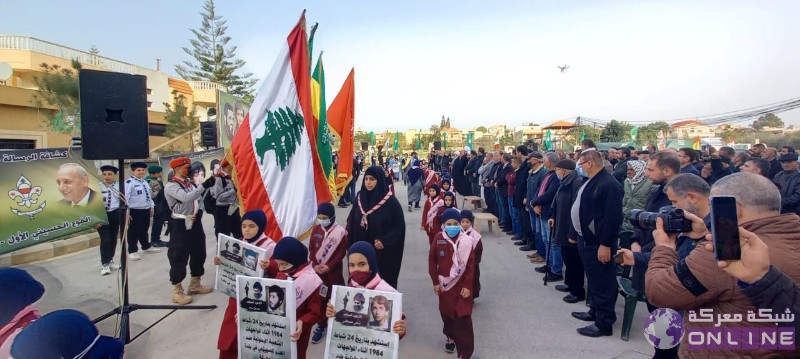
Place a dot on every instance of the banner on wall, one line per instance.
(230, 114)
(204, 164)
(50, 194)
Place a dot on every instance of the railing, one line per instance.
(9, 42)
(206, 85)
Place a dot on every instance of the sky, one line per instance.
(477, 62)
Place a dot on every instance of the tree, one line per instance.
(615, 131)
(447, 123)
(768, 120)
(178, 117)
(215, 60)
(94, 56)
(482, 129)
(441, 125)
(649, 133)
(58, 87)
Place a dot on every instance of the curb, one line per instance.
(50, 249)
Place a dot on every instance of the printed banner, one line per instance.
(362, 326)
(236, 258)
(230, 114)
(50, 195)
(204, 163)
(266, 318)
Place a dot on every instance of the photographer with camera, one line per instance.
(698, 282)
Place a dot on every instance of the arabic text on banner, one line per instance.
(362, 326)
(236, 258)
(266, 318)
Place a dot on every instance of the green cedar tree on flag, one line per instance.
(276, 166)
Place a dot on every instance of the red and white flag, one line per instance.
(276, 163)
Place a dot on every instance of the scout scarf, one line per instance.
(435, 203)
(305, 282)
(364, 215)
(267, 243)
(476, 237)
(461, 250)
(330, 241)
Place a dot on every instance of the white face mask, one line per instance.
(324, 222)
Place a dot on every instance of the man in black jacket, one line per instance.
(460, 181)
(502, 193)
(564, 233)
(474, 176)
(541, 207)
(597, 217)
(621, 168)
(520, 183)
(789, 183)
(771, 154)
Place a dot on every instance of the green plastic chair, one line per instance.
(631, 298)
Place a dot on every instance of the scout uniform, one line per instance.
(140, 207)
(327, 247)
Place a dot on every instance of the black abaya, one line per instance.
(386, 224)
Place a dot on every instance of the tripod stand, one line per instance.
(126, 307)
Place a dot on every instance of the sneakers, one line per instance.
(318, 333)
(153, 250)
(134, 256)
(450, 345)
(158, 244)
(106, 269)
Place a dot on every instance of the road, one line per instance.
(515, 317)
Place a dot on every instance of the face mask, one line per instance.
(581, 172)
(289, 270)
(452, 231)
(324, 222)
(362, 278)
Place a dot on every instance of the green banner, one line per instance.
(230, 114)
(51, 194)
(204, 164)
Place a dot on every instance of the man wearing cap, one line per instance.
(161, 212)
(564, 233)
(140, 209)
(789, 183)
(188, 241)
(109, 233)
(535, 175)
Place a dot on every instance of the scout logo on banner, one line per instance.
(49, 195)
(204, 164)
(275, 154)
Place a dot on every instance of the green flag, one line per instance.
(419, 141)
(634, 134)
(521, 138)
(396, 145)
(548, 140)
(318, 108)
(444, 139)
(371, 138)
(583, 135)
(469, 140)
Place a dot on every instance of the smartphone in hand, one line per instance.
(619, 258)
(725, 228)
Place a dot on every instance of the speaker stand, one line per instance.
(126, 308)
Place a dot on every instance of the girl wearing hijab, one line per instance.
(448, 201)
(431, 178)
(362, 266)
(451, 265)
(64, 333)
(431, 223)
(292, 258)
(327, 247)
(467, 219)
(447, 188)
(254, 223)
(377, 217)
(637, 188)
(387, 172)
(415, 185)
(18, 291)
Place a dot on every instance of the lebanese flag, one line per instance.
(275, 162)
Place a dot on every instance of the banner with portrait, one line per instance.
(362, 325)
(230, 114)
(236, 258)
(266, 317)
(51, 193)
(204, 164)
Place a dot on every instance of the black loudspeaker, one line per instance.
(535, 146)
(364, 146)
(208, 133)
(437, 145)
(113, 115)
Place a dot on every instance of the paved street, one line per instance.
(515, 317)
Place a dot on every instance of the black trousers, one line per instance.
(476, 186)
(225, 224)
(491, 201)
(158, 226)
(390, 259)
(524, 219)
(137, 233)
(186, 247)
(573, 274)
(602, 280)
(109, 236)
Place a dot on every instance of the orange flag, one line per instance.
(341, 119)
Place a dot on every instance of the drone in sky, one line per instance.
(563, 68)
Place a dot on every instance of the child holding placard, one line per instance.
(327, 247)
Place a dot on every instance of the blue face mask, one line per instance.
(324, 222)
(452, 231)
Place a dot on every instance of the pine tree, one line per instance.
(215, 60)
(58, 87)
(178, 117)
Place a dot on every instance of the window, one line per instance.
(15, 144)
(149, 104)
(149, 91)
(156, 129)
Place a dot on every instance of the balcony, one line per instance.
(24, 43)
(205, 92)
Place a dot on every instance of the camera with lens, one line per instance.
(674, 221)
